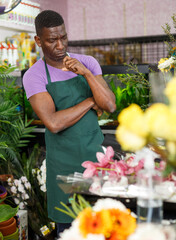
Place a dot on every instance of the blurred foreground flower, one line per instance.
(158, 123)
(108, 219)
(150, 231)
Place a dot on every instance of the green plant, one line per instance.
(171, 39)
(6, 211)
(132, 88)
(14, 131)
(78, 203)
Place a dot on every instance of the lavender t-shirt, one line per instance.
(35, 79)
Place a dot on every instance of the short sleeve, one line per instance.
(93, 66)
(33, 83)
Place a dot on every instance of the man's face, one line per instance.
(53, 42)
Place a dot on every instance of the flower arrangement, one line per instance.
(107, 164)
(19, 189)
(108, 219)
(154, 127)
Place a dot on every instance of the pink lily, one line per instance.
(91, 169)
(119, 168)
(105, 159)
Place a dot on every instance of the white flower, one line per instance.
(43, 188)
(95, 237)
(17, 201)
(25, 196)
(9, 180)
(150, 231)
(108, 203)
(20, 187)
(27, 185)
(16, 182)
(23, 179)
(72, 233)
(167, 63)
(21, 205)
(13, 189)
(34, 171)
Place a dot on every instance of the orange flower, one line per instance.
(95, 222)
(124, 223)
(116, 236)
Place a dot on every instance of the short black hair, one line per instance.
(47, 18)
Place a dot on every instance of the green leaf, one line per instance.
(6, 212)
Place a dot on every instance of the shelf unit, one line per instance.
(16, 27)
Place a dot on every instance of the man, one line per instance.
(66, 91)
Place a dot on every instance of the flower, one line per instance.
(170, 92)
(41, 176)
(159, 124)
(20, 189)
(108, 219)
(32, 197)
(152, 232)
(166, 64)
(108, 165)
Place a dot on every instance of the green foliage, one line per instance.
(78, 203)
(13, 130)
(171, 39)
(132, 88)
(7, 212)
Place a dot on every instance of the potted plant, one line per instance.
(8, 225)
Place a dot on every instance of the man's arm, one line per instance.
(55, 121)
(103, 96)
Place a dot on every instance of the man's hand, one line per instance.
(98, 110)
(72, 64)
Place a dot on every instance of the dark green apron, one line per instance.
(68, 149)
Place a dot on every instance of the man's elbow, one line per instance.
(54, 128)
(112, 107)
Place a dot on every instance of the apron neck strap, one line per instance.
(47, 72)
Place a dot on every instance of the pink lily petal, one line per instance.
(120, 167)
(104, 159)
(139, 166)
(129, 171)
(109, 152)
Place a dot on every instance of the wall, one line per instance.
(56, 5)
(96, 19)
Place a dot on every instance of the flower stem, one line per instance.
(105, 169)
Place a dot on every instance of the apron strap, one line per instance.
(47, 72)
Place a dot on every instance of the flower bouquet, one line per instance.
(115, 178)
(109, 219)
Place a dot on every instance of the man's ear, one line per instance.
(37, 40)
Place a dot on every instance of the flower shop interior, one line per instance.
(129, 193)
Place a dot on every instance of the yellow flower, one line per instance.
(157, 117)
(128, 140)
(170, 91)
(95, 222)
(132, 118)
(171, 125)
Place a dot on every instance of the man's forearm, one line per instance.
(103, 96)
(63, 119)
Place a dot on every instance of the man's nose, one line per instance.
(59, 44)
